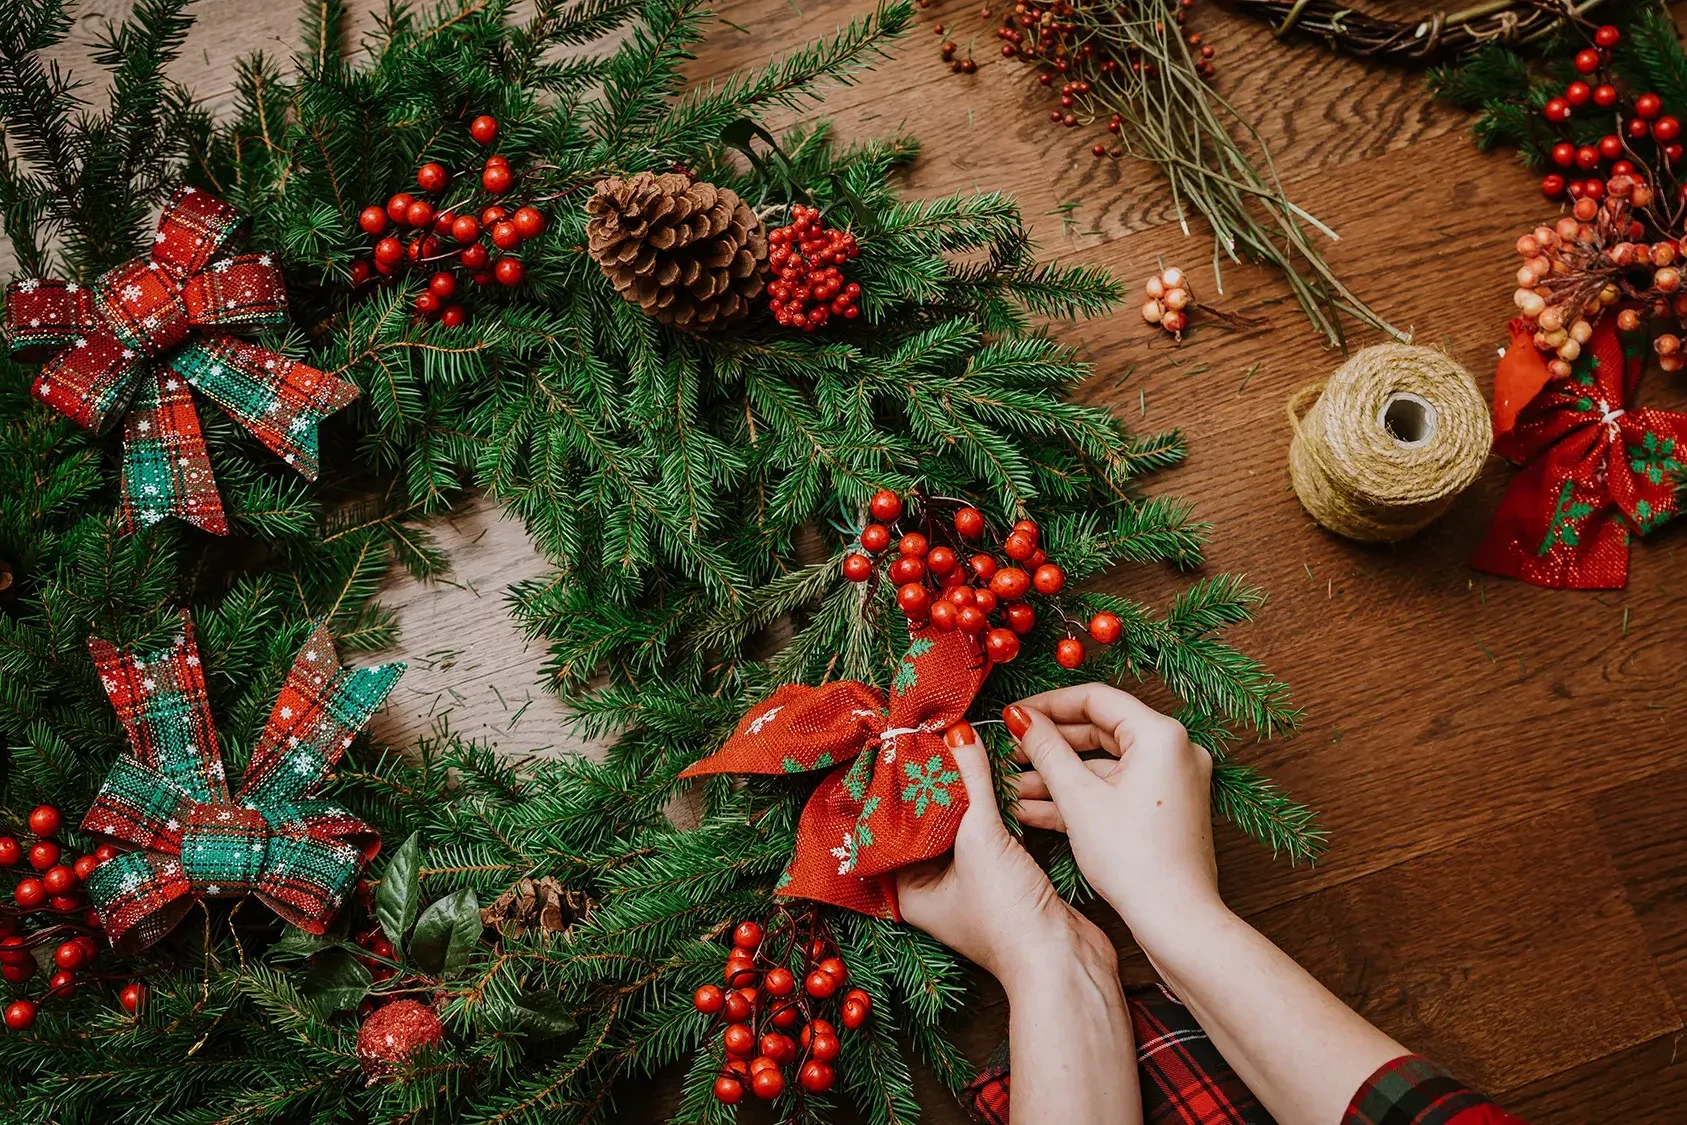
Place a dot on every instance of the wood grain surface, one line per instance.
(1499, 766)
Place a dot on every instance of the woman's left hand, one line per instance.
(990, 901)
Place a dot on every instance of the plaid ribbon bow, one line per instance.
(1594, 470)
(898, 804)
(169, 797)
(134, 341)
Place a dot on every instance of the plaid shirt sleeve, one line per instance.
(1185, 1081)
(1414, 1091)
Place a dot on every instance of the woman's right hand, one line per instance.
(1140, 820)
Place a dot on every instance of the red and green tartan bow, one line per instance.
(899, 801)
(298, 854)
(1593, 470)
(126, 347)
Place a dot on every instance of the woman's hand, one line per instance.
(990, 901)
(1140, 820)
(1069, 1031)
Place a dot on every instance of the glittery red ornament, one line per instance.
(393, 1033)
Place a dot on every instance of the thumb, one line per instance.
(974, 763)
(1042, 744)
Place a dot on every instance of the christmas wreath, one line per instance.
(717, 374)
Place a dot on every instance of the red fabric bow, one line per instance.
(896, 805)
(174, 307)
(1593, 469)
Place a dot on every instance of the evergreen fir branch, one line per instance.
(1259, 808)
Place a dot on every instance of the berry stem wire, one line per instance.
(1172, 118)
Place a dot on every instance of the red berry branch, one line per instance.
(452, 236)
(952, 585)
(1624, 240)
(780, 979)
(50, 883)
(808, 286)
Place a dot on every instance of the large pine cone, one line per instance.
(688, 253)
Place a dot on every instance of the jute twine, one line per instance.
(1383, 445)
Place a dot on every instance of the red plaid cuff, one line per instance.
(1414, 1091)
(1184, 1080)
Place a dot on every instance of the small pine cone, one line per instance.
(688, 253)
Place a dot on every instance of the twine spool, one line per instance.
(1383, 445)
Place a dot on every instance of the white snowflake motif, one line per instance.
(127, 354)
(131, 292)
(288, 458)
(149, 683)
(182, 461)
(217, 770)
(264, 259)
(225, 815)
(171, 868)
(764, 718)
(889, 756)
(81, 341)
(292, 741)
(171, 384)
(151, 516)
(72, 287)
(230, 302)
(286, 712)
(193, 662)
(29, 286)
(35, 322)
(158, 237)
(222, 265)
(143, 426)
(131, 881)
(301, 763)
(172, 824)
(269, 365)
(298, 424)
(845, 854)
(310, 654)
(213, 889)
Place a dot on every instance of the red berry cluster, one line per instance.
(1589, 167)
(771, 1014)
(808, 287)
(979, 593)
(444, 236)
(1046, 34)
(54, 888)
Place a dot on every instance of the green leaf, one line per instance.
(446, 934)
(335, 980)
(542, 1014)
(295, 942)
(400, 890)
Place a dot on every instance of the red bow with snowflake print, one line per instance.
(895, 796)
(1594, 470)
(132, 343)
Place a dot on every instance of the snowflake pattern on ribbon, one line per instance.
(130, 345)
(168, 797)
(892, 796)
(1594, 471)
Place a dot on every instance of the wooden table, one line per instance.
(1497, 765)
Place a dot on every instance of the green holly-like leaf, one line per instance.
(400, 890)
(446, 934)
(928, 784)
(335, 980)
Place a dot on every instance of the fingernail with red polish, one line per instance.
(1017, 720)
(959, 735)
